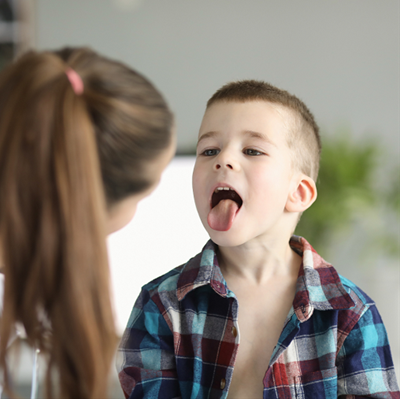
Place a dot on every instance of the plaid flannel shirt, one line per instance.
(182, 337)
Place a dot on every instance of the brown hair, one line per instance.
(303, 137)
(63, 158)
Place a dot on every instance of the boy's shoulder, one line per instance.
(354, 290)
(189, 275)
(164, 282)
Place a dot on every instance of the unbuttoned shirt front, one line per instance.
(183, 335)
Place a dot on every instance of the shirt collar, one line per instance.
(318, 284)
(201, 270)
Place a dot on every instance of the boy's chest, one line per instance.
(262, 313)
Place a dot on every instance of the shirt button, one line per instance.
(222, 384)
(234, 331)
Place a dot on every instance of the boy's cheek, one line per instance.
(198, 198)
(196, 177)
(196, 187)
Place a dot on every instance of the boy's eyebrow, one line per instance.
(206, 136)
(257, 135)
(250, 133)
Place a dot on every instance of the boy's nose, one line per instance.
(226, 161)
(219, 165)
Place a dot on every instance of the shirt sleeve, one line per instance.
(146, 361)
(365, 365)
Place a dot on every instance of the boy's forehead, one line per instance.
(258, 116)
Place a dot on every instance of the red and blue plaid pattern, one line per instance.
(181, 340)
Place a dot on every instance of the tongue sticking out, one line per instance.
(222, 215)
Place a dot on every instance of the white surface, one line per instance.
(165, 232)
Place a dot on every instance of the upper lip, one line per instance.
(215, 186)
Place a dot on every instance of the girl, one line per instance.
(82, 140)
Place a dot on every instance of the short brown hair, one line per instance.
(303, 138)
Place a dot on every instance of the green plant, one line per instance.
(350, 188)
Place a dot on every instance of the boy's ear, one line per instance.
(303, 194)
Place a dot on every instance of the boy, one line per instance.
(304, 331)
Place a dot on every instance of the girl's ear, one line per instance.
(302, 196)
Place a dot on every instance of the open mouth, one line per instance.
(225, 205)
(225, 193)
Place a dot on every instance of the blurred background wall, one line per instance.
(341, 58)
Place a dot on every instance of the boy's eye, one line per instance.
(252, 152)
(210, 153)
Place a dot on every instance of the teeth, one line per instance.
(221, 188)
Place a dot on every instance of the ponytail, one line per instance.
(52, 228)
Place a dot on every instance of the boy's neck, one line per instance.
(259, 262)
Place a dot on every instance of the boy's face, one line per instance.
(243, 147)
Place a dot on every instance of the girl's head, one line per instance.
(133, 128)
(73, 166)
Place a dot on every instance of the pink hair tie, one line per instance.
(75, 80)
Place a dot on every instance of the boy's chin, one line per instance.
(224, 238)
